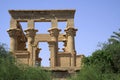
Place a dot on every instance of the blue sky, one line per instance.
(95, 20)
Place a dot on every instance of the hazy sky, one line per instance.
(95, 20)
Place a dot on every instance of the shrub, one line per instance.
(92, 72)
(87, 73)
(10, 71)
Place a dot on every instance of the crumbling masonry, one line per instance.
(66, 60)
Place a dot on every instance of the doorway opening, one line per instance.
(44, 54)
(60, 46)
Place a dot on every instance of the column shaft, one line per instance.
(34, 54)
(12, 44)
(71, 49)
(53, 57)
(54, 32)
(30, 39)
(30, 33)
(70, 44)
(70, 32)
(13, 33)
(30, 50)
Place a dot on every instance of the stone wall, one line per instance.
(22, 57)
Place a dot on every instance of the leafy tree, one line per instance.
(92, 72)
(103, 64)
(108, 57)
(115, 38)
(3, 51)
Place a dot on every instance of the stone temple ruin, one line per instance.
(24, 43)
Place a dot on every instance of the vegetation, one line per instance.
(103, 64)
(10, 71)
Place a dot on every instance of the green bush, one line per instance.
(10, 71)
(103, 64)
(92, 72)
(87, 73)
(35, 73)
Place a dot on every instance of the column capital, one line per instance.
(54, 32)
(71, 31)
(14, 32)
(31, 32)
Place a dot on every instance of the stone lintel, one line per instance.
(46, 38)
(42, 15)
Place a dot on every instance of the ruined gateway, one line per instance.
(24, 46)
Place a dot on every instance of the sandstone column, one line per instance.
(71, 32)
(52, 54)
(13, 33)
(34, 48)
(30, 34)
(38, 60)
(53, 45)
